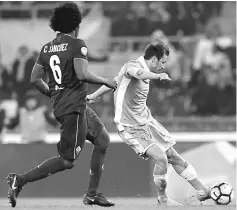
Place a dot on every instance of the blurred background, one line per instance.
(198, 106)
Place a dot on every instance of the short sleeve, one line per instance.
(80, 49)
(132, 68)
(39, 60)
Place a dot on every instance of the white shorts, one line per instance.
(140, 138)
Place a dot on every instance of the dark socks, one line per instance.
(97, 161)
(48, 167)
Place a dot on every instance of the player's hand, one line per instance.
(90, 99)
(164, 76)
(111, 83)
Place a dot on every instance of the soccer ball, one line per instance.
(222, 193)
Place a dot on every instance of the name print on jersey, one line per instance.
(56, 48)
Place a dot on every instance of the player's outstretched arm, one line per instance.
(141, 74)
(83, 74)
(36, 79)
(103, 89)
(92, 98)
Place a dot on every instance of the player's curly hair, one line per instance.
(158, 48)
(65, 18)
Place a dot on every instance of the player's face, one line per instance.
(158, 65)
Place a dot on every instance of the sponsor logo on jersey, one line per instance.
(84, 51)
(78, 149)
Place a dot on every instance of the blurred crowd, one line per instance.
(204, 75)
(18, 75)
(21, 106)
(142, 18)
(132, 18)
(203, 68)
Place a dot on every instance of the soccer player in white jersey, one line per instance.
(139, 129)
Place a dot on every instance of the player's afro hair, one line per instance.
(65, 18)
(158, 48)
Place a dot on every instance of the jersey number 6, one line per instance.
(54, 62)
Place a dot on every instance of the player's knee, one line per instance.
(161, 161)
(158, 156)
(102, 141)
(102, 147)
(68, 164)
(170, 156)
(174, 158)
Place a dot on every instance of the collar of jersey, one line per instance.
(57, 32)
(142, 61)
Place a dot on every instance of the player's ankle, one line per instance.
(162, 198)
(21, 180)
(204, 192)
(204, 189)
(91, 192)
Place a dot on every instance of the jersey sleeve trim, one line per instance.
(39, 65)
(80, 59)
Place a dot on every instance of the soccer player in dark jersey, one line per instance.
(64, 62)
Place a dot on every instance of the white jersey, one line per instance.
(131, 96)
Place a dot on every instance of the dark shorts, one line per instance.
(72, 135)
(94, 125)
(75, 129)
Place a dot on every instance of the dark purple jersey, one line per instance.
(68, 93)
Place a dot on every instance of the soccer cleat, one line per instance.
(97, 199)
(14, 188)
(193, 200)
(198, 198)
(168, 202)
(202, 196)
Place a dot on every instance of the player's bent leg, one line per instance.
(92, 197)
(144, 141)
(160, 174)
(160, 169)
(48, 167)
(188, 172)
(71, 142)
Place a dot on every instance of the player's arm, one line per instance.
(138, 73)
(91, 98)
(80, 63)
(83, 74)
(142, 74)
(36, 79)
